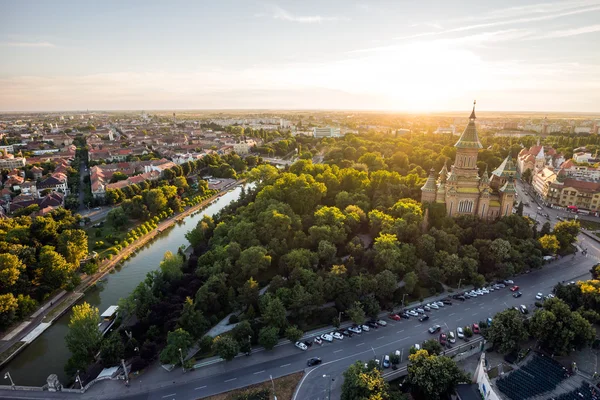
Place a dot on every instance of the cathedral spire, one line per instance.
(469, 138)
(472, 117)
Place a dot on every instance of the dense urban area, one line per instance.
(347, 226)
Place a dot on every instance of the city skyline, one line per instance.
(528, 56)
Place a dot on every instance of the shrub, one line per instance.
(468, 332)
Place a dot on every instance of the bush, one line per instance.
(234, 319)
(468, 332)
(261, 394)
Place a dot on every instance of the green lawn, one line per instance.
(105, 230)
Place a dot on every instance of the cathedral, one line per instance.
(463, 191)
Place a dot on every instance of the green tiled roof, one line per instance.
(494, 203)
(469, 138)
(430, 185)
(468, 190)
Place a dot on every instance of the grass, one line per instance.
(59, 308)
(118, 234)
(284, 388)
(589, 225)
(7, 353)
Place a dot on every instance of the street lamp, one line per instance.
(403, 300)
(7, 376)
(331, 380)
(181, 358)
(273, 383)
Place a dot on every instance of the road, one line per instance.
(337, 356)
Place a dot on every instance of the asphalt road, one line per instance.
(337, 356)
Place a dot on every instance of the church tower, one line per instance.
(507, 197)
(484, 199)
(428, 190)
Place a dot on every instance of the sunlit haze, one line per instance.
(393, 55)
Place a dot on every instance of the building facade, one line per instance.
(326, 132)
(463, 191)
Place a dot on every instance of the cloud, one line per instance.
(531, 9)
(567, 32)
(509, 21)
(27, 44)
(433, 25)
(284, 15)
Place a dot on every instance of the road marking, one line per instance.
(380, 337)
(337, 351)
(230, 380)
(451, 314)
(460, 319)
(360, 344)
(172, 394)
(200, 387)
(467, 309)
(400, 331)
(284, 365)
(259, 372)
(474, 315)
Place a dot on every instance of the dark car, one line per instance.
(313, 361)
(461, 298)
(446, 301)
(308, 343)
(455, 296)
(405, 315)
(435, 329)
(346, 332)
(424, 318)
(443, 339)
(372, 324)
(517, 295)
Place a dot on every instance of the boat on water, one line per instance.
(108, 319)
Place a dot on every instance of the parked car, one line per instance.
(346, 332)
(485, 291)
(447, 302)
(373, 324)
(308, 343)
(523, 309)
(405, 315)
(461, 297)
(327, 337)
(420, 310)
(475, 328)
(539, 296)
(434, 329)
(550, 296)
(443, 339)
(517, 295)
(460, 333)
(509, 282)
(301, 346)
(424, 318)
(413, 313)
(381, 322)
(355, 329)
(386, 361)
(427, 308)
(337, 335)
(451, 337)
(365, 328)
(417, 346)
(318, 340)
(501, 285)
(489, 322)
(395, 317)
(313, 361)
(434, 306)
(514, 288)
(439, 303)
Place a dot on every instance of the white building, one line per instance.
(326, 132)
(583, 129)
(451, 129)
(9, 148)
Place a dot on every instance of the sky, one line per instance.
(399, 55)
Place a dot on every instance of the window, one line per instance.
(465, 206)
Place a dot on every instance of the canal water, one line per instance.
(48, 354)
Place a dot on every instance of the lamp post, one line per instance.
(181, 358)
(7, 376)
(330, 380)
(459, 282)
(403, 301)
(273, 383)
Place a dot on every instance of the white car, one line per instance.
(327, 337)
(420, 311)
(485, 291)
(460, 333)
(451, 337)
(301, 346)
(365, 328)
(550, 296)
(427, 308)
(318, 340)
(355, 329)
(337, 335)
(413, 313)
(381, 322)
(439, 304)
(479, 293)
(417, 346)
(490, 288)
(539, 296)
(434, 306)
(509, 282)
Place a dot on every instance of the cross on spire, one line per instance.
(473, 112)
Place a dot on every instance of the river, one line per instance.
(49, 354)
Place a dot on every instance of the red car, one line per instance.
(514, 288)
(443, 339)
(475, 328)
(395, 317)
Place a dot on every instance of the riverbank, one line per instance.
(58, 306)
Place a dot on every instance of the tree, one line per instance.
(117, 217)
(192, 320)
(363, 383)
(549, 243)
(83, 339)
(432, 346)
(566, 232)
(356, 313)
(253, 261)
(171, 266)
(112, 350)
(371, 306)
(10, 269)
(507, 331)
(273, 311)
(226, 347)
(53, 270)
(434, 377)
(410, 282)
(73, 245)
(293, 333)
(520, 209)
(268, 337)
(527, 175)
(118, 176)
(178, 345)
